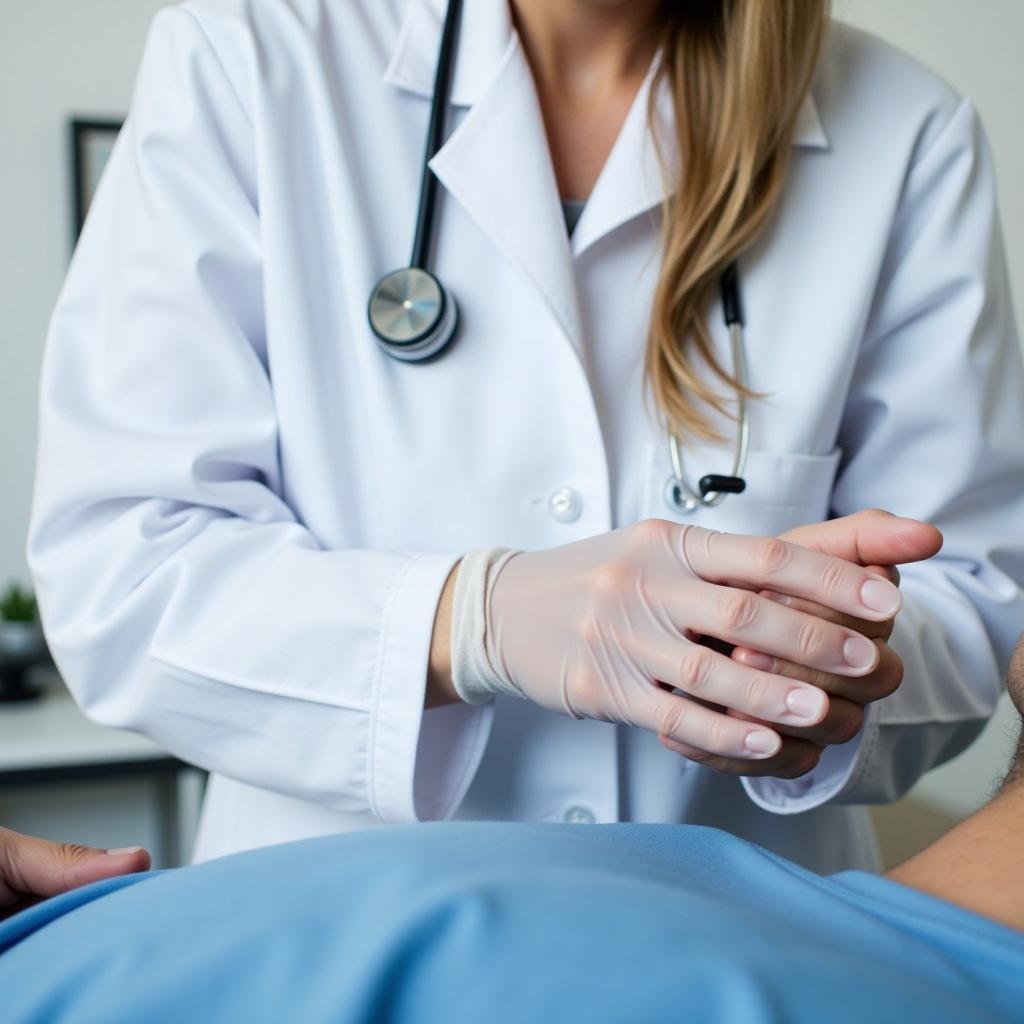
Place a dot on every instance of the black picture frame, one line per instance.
(91, 142)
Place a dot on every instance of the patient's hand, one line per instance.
(875, 539)
(32, 869)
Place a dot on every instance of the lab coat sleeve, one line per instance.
(934, 429)
(181, 595)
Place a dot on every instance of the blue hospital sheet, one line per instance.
(489, 923)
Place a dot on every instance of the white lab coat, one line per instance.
(245, 512)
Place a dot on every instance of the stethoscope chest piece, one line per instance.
(412, 314)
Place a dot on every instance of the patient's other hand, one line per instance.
(32, 869)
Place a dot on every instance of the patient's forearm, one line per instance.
(978, 864)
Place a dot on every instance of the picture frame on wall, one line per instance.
(92, 141)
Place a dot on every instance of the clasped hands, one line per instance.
(747, 654)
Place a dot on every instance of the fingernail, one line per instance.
(123, 850)
(760, 741)
(755, 659)
(881, 596)
(859, 652)
(806, 703)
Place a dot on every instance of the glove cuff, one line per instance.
(474, 677)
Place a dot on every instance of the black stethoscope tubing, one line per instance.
(414, 317)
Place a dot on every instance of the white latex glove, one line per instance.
(607, 628)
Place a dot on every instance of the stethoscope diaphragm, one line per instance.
(412, 314)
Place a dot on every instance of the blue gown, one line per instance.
(489, 923)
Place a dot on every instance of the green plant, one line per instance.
(17, 605)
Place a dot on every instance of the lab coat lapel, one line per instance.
(496, 163)
(631, 182)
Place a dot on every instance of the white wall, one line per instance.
(56, 57)
(63, 56)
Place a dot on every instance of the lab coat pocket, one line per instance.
(783, 490)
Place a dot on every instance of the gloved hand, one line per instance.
(608, 628)
(879, 541)
(31, 869)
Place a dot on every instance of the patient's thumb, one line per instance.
(38, 867)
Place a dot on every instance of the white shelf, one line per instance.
(53, 733)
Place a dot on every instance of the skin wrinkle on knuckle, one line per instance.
(809, 640)
(695, 669)
(738, 611)
(611, 579)
(669, 717)
(833, 578)
(771, 556)
(756, 692)
(718, 736)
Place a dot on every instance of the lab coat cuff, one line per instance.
(837, 773)
(420, 762)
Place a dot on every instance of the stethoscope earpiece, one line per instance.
(412, 314)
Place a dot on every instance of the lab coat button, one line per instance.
(579, 816)
(565, 505)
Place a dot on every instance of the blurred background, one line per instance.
(61, 60)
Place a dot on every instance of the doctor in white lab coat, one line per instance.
(245, 513)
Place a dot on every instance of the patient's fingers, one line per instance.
(843, 721)
(872, 630)
(883, 681)
(795, 757)
(38, 867)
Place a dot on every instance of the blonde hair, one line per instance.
(738, 72)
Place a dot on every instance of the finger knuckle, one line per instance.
(650, 532)
(695, 669)
(738, 611)
(833, 577)
(669, 717)
(756, 692)
(771, 555)
(810, 640)
(585, 687)
(610, 580)
(717, 735)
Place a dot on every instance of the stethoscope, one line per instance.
(414, 316)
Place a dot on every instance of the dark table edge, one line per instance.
(87, 771)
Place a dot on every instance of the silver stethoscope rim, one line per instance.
(682, 495)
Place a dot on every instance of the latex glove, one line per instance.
(879, 541)
(31, 869)
(607, 628)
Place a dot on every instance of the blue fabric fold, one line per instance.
(472, 922)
